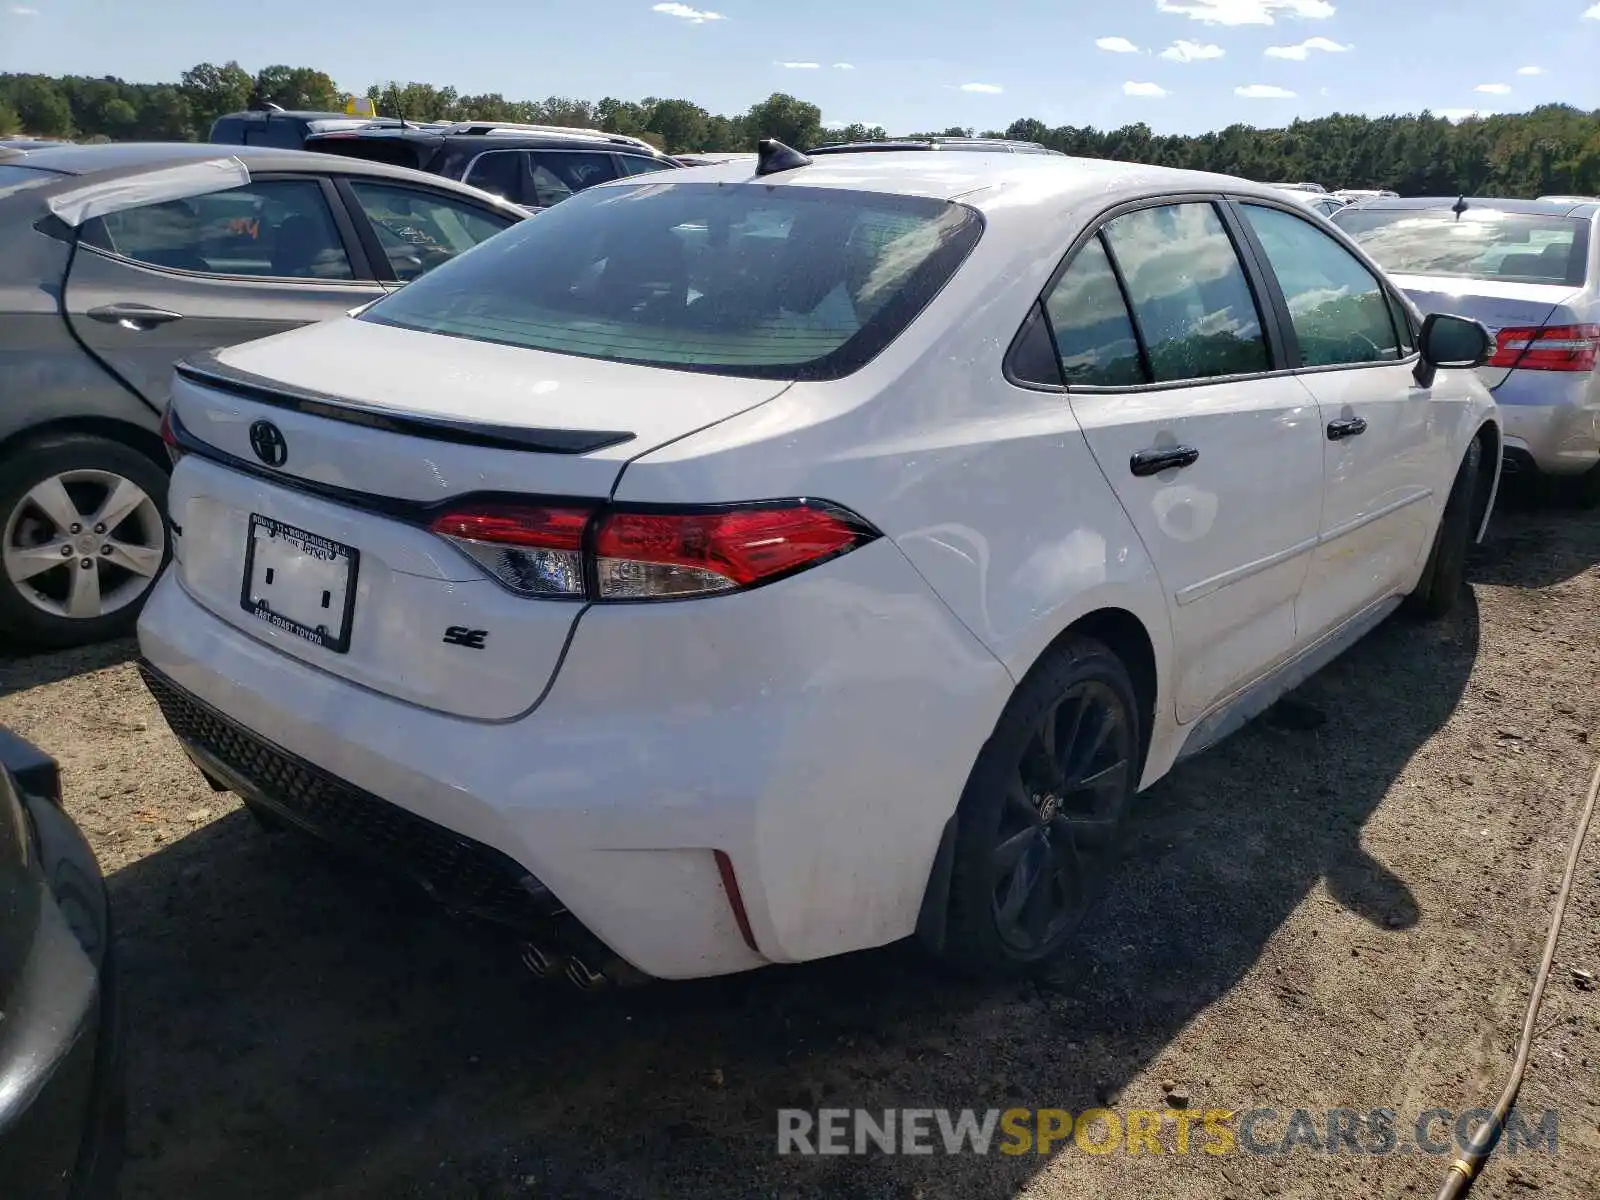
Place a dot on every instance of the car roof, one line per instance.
(302, 114)
(986, 180)
(1548, 208)
(502, 134)
(75, 164)
(116, 156)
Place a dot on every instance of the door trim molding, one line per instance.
(1367, 518)
(1207, 587)
(1199, 591)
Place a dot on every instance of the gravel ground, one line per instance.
(1341, 906)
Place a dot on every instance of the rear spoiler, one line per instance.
(208, 371)
(82, 204)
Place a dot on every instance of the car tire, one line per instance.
(1581, 491)
(1445, 575)
(1038, 822)
(44, 484)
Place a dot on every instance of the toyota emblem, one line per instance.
(267, 441)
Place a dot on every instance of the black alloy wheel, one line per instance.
(1063, 805)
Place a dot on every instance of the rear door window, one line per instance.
(1189, 292)
(1089, 321)
(559, 174)
(280, 228)
(419, 230)
(499, 172)
(637, 164)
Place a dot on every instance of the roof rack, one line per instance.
(491, 127)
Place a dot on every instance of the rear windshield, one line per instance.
(397, 152)
(742, 279)
(1482, 244)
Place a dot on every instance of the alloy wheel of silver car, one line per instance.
(83, 544)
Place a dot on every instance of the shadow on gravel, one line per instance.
(22, 667)
(1535, 542)
(299, 1028)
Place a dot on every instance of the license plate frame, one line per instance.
(306, 542)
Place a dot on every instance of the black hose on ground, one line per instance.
(1465, 1169)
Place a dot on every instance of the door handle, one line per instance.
(1346, 427)
(138, 317)
(1162, 458)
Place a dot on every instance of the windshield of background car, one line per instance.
(735, 279)
(1483, 244)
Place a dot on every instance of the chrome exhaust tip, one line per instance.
(584, 977)
(539, 962)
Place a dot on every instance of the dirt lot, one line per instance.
(1340, 906)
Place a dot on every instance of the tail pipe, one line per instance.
(588, 970)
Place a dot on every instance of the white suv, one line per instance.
(742, 567)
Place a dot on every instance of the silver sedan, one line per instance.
(1530, 271)
(117, 260)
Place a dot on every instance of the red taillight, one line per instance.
(539, 550)
(169, 436)
(1547, 348)
(515, 525)
(646, 555)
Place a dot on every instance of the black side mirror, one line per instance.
(1450, 342)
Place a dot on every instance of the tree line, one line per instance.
(1553, 148)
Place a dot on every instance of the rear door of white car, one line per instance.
(1385, 436)
(1164, 350)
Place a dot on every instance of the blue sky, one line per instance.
(1182, 66)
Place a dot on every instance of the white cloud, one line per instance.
(695, 16)
(1302, 50)
(987, 89)
(1249, 12)
(1530, 70)
(1182, 51)
(1460, 114)
(1592, 13)
(1494, 89)
(23, 11)
(844, 66)
(1263, 91)
(799, 66)
(1143, 89)
(1117, 45)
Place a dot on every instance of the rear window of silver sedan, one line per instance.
(736, 279)
(1482, 243)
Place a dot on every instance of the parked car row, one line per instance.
(846, 537)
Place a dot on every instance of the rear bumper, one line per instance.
(1553, 422)
(61, 1095)
(816, 732)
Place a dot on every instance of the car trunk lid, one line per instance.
(1498, 305)
(320, 457)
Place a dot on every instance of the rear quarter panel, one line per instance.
(988, 489)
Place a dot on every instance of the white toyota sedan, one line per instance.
(778, 560)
